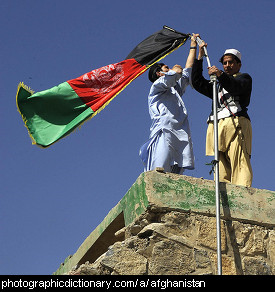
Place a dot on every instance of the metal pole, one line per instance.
(213, 80)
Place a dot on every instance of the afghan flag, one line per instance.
(54, 113)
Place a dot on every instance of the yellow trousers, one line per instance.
(234, 142)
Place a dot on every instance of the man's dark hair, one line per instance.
(152, 74)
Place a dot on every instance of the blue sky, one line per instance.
(51, 199)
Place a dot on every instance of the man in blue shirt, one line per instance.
(170, 145)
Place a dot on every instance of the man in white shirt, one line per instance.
(170, 145)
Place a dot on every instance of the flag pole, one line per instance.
(213, 81)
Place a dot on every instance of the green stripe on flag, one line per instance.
(53, 113)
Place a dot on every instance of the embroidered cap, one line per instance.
(234, 52)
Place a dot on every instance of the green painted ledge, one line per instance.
(178, 192)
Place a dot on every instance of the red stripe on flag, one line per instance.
(97, 87)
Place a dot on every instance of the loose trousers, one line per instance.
(235, 140)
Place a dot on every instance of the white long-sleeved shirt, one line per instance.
(169, 116)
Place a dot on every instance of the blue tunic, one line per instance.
(170, 138)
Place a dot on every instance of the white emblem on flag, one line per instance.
(105, 79)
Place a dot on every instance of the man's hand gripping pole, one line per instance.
(199, 42)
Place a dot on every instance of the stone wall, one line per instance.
(169, 242)
(166, 225)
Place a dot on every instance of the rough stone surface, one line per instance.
(171, 242)
(166, 224)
